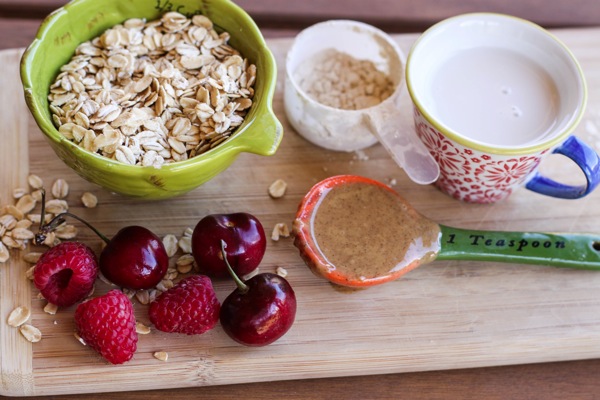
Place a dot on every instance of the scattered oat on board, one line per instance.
(14, 211)
(26, 204)
(188, 232)
(277, 188)
(51, 240)
(37, 194)
(161, 355)
(141, 328)
(56, 206)
(35, 182)
(31, 333)
(23, 224)
(130, 293)
(18, 316)
(170, 243)
(66, 232)
(152, 295)
(172, 273)
(89, 200)
(185, 244)
(60, 189)
(281, 272)
(280, 230)
(143, 296)
(185, 263)
(164, 285)
(153, 93)
(22, 234)
(29, 273)
(32, 257)
(79, 338)
(19, 192)
(12, 243)
(51, 309)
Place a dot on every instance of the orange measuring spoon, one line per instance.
(581, 251)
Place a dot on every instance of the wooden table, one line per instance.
(19, 20)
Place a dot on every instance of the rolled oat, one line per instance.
(141, 328)
(60, 189)
(89, 200)
(51, 309)
(35, 182)
(170, 243)
(277, 188)
(280, 230)
(31, 333)
(18, 316)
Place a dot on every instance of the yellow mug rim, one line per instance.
(476, 145)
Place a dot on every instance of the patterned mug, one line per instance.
(493, 95)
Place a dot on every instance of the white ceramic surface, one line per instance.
(351, 130)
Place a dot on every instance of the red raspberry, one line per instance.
(65, 274)
(107, 325)
(189, 307)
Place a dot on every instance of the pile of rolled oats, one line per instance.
(150, 93)
(341, 81)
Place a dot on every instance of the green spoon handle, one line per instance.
(559, 250)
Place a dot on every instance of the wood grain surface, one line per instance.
(19, 19)
(392, 15)
(443, 316)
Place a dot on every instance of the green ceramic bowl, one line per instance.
(82, 20)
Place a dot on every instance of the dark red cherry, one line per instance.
(135, 258)
(260, 311)
(243, 235)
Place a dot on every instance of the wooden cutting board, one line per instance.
(443, 315)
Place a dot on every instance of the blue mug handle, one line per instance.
(585, 157)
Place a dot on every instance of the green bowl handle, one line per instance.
(559, 250)
(264, 136)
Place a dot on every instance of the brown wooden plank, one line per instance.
(390, 15)
(453, 315)
(17, 33)
(15, 353)
(545, 381)
(566, 380)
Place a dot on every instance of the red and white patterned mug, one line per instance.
(493, 95)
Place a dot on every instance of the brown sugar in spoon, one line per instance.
(358, 232)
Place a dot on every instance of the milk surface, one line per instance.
(495, 96)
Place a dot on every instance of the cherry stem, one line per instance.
(242, 287)
(59, 219)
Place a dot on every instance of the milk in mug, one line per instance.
(495, 96)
